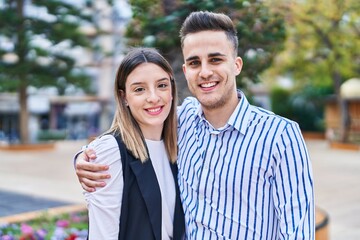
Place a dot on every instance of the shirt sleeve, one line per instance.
(104, 205)
(293, 191)
(77, 154)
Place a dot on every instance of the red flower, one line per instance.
(71, 237)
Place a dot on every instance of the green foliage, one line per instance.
(44, 62)
(323, 42)
(305, 106)
(48, 135)
(260, 31)
(280, 102)
(35, 48)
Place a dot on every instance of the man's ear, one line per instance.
(238, 65)
(184, 68)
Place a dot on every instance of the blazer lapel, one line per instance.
(179, 221)
(150, 190)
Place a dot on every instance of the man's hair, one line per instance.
(209, 21)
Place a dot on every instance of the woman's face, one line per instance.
(149, 97)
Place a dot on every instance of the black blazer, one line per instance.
(141, 201)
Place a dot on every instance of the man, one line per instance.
(244, 172)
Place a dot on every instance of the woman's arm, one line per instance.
(104, 204)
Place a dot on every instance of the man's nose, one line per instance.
(205, 71)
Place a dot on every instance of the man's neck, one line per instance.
(218, 117)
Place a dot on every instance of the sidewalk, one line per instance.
(39, 179)
(337, 188)
(47, 178)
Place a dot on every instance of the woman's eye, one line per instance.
(163, 85)
(139, 89)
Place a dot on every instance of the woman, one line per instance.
(141, 200)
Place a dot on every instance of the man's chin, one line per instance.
(210, 102)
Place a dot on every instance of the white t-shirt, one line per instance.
(104, 204)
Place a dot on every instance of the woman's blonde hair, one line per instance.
(124, 123)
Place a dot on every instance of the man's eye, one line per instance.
(216, 60)
(194, 63)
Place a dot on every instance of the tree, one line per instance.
(261, 32)
(35, 49)
(322, 46)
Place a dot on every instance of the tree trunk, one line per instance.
(24, 115)
(21, 46)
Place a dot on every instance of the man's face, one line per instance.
(211, 68)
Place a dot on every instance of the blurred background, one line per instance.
(58, 61)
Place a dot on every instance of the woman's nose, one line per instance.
(153, 97)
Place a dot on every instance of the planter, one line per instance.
(28, 147)
(51, 212)
(345, 146)
(321, 224)
(314, 135)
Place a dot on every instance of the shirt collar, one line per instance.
(239, 118)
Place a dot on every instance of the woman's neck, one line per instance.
(152, 133)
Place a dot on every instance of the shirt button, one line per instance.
(201, 197)
(206, 167)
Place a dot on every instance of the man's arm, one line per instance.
(293, 192)
(90, 174)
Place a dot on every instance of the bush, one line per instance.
(47, 135)
(306, 106)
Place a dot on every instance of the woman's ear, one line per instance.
(123, 97)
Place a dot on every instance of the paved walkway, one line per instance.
(12, 203)
(337, 188)
(32, 180)
(38, 179)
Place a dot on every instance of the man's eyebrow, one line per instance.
(216, 54)
(191, 58)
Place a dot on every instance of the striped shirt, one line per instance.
(251, 179)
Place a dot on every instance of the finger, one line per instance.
(86, 188)
(91, 184)
(90, 153)
(82, 157)
(92, 167)
(92, 175)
